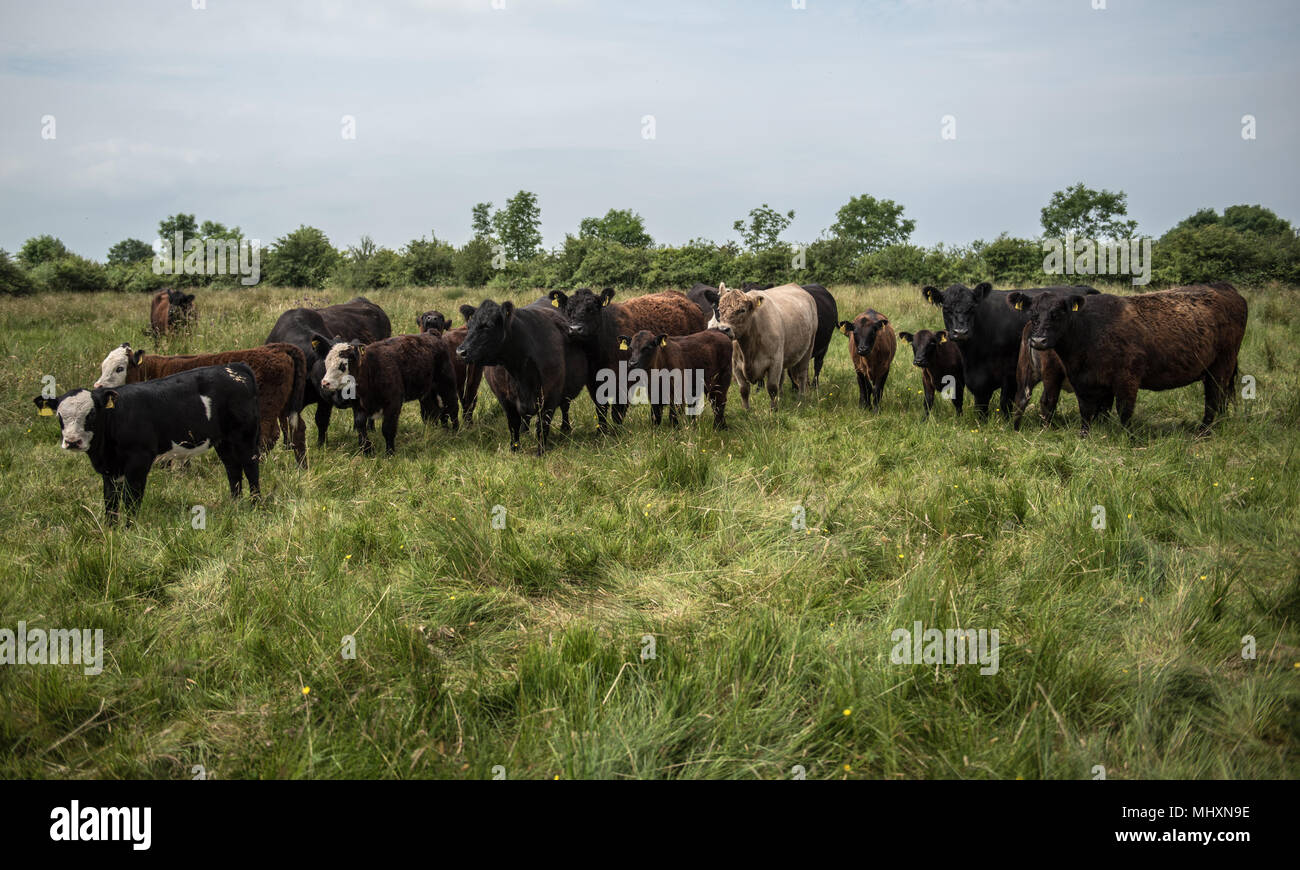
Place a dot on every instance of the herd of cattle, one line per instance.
(540, 357)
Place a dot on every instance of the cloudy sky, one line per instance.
(235, 112)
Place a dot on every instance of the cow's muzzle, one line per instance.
(1038, 343)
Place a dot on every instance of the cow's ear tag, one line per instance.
(555, 303)
(1020, 306)
(663, 342)
(361, 352)
(758, 303)
(109, 403)
(942, 339)
(1074, 307)
(622, 345)
(604, 302)
(44, 411)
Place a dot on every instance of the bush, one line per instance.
(472, 264)
(428, 262)
(135, 277)
(303, 258)
(13, 280)
(70, 274)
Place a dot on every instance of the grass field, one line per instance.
(522, 647)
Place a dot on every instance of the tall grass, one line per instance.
(527, 648)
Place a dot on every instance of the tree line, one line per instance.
(869, 242)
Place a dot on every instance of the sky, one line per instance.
(235, 112)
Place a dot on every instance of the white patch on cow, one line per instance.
(207, 405)
(234, 374)
(72, 418)
(179, 452)
(112, 371)
(336, 373)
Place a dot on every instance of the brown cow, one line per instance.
(1113, 346)
(468, 376)
(170, 308)
(683, 369)
(280, 370)
(871, 348)
(388, 373)
(939, 360)
(1033, 367)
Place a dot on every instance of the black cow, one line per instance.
(987, 330)
(938, 359)
(705, 296)
(125, 429)
(534, 367)
(827, 322)
(357, 319)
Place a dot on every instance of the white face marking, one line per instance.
(207, 405)
(179, 452)
(72, 419)
(112, 371)
(336, 369)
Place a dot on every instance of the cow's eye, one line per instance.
(120, 368)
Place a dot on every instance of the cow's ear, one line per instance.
(137, 357)
(558, 299)
(942, 335)
(1076, 302)
(663, 339)
(623, 342)
(507, 309)
(711, 297)
(722, 287)
(1018, 301)
(758, 301)
(321, 344)
(982, 289)
(110, 399)
(45, 407)
(933, 295)
(606, 296)
(846, 327)
(467, 311)
(906, 336)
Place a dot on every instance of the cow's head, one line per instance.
(79, 413)
(584, 310)
(924, 345)
(489, 329)
(863, 330)
(342, 359)
(642, 348)
(119, 367)
(180, 305)
(735, 311)
(1049, 315)
(433, 321)
(959, 304)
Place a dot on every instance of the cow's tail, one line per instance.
(294, 405)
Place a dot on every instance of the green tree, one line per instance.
(481, 220)
(41, 249)
(518, 226)
(1256, 219)
(428, 262)
(868, 224)
(129, 251)
(13, 280)
(763, 231)
(473, 262)
(303, 258)
(1088, 213)
(618, 225)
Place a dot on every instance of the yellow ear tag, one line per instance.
(109, 403)
(942, 339)
(758, 303)
(361, 352)
(622, 345)
(663, 342)
(555, 303)
(1074, 307)
(1020, 306)
(44, 411)
(604, 302)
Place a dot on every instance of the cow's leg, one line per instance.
(544, 429)
(1092, 404)
(113, 497)
(773, 384)
(299, 442)
(817, 371)
(228, 453)
(391, 413)
(959, 393)
(1007, 396)
(982, 403)
(656, 414)
(469, 398)
(137, 474)
(620, 411)
(514, 420)
(362, 423)
(719, 401)
(927, 387)
(864, 391)
(799, 374)
(323, 411)
(1218, 387)
(672, 416)
(248, 458)
(880, 388)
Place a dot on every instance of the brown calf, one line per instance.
(871, 348)
(468, 376)
(683, 369)
(938, 359)
(169, 308)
